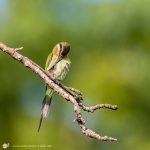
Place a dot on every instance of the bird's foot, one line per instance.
(57, 82)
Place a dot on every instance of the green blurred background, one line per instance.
(110, 54)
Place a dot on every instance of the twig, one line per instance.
(74, 98)
(98, 106)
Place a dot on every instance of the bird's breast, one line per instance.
(61, 69)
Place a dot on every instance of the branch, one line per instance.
(98, 106)
(67, 94)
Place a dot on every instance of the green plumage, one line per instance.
(57, 65)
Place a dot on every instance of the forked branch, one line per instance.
(67, 94)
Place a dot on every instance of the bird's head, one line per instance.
(61, 50)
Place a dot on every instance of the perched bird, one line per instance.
(57, 65)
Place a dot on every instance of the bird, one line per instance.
(57, 65)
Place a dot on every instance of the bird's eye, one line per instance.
(65, 50)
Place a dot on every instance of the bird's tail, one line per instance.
(45, 108)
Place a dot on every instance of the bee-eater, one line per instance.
(57, 65)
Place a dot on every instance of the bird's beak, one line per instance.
(58, 60)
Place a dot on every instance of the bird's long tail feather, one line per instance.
(45, 109)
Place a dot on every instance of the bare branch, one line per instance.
(98, 106)
(67, 94)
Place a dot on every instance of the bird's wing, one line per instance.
(51, 60)
(48, 61)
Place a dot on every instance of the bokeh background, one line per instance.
(110, 54)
